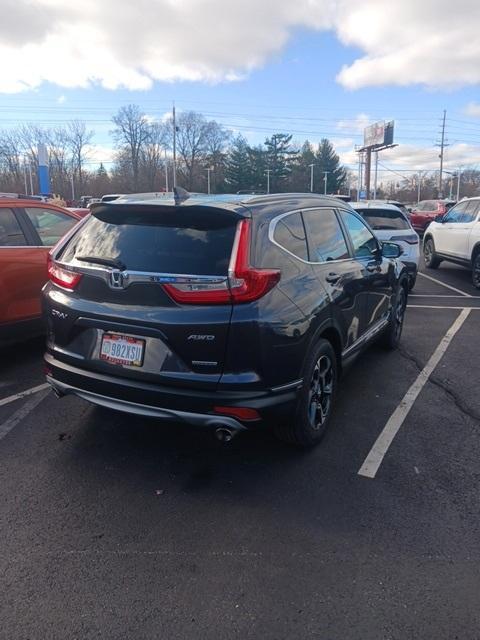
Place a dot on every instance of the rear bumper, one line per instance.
(175, 404)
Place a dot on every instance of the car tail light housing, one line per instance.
(244, 283)
(62, 277)
(411, 239)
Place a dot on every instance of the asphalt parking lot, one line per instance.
(118, 527)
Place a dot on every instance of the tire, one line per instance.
(390, 338)
(432, 261)
(316, 398)
(476, 271)
(411, 282)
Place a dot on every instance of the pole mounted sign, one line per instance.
(43, 175)
(376, 137)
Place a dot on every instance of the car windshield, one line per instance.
(384, 219)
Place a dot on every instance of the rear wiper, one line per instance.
(108, 262)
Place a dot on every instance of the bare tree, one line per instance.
(153, 155)
(78, 141)
(131, 134)
(191, 143)
(217, 138)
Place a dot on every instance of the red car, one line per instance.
(426, 211)
(79, 211)
(28, 229)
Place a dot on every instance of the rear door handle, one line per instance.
(332, 278)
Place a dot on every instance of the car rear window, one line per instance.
(176, 243)
(383, 219)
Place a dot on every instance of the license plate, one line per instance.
(119, 349)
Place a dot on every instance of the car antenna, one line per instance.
(180, 195)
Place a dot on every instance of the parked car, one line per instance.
(28, 229)
(227, 312)
(426, 211)
(456, 238)
(390, 223)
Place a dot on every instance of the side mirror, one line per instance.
(410, 209)
(440, 217)
(391, 250)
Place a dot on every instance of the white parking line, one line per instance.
(448, 286)
(439, 295)
(22, 394)
(374, 459)
(437, 306)
(21, 413)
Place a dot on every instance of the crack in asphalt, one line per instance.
(457, 400)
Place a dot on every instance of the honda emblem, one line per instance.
(116, 280)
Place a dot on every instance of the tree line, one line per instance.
(143, 158)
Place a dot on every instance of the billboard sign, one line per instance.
(378, 134)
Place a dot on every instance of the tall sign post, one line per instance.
(43, 174)
(377, 137)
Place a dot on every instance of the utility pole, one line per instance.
(73, 187)
(31, 179)
(268, 172)
(376, 176)
(458, 183)
(368, 171)
(208, 169)
(325, 173)
(174, 148)
(311, 177)
(420, 178)
(25, 175)
(442, 146)
(166, 172)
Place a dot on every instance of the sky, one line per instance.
(313, 68)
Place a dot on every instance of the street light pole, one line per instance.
(311, 177)
(174, 147)
(166, 172)
(458, 183)
(325, 173)
(376, 176)
(268, 172)
(208, 169)
(73, 187)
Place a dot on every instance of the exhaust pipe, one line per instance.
(224, 434)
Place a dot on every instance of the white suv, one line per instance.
(456, 238)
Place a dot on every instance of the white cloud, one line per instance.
(61, 99)
(79, 44)
(472, 109)
(357, 125)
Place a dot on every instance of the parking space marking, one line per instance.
(22, 413)
(448, 286)
(439, 295)
(22, 394)
(437, 306)
(374, 459)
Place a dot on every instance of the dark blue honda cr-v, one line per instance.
(231, 312)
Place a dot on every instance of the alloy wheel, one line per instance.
(321, 390)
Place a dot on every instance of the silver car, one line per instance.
(390, 224)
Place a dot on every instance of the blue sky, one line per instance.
(291, 85)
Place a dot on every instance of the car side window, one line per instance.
(325, 237)
(290, 234)
(11, 235)
(364, 242)
(470, 212)
(456, 213)
(50, 225)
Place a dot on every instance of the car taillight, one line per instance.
(244, 283)
(61, 276)
(412, 239)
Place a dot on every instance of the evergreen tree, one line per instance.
(280, 156)
(258, 168)
(300, 177)
(327, 160)
(238, 169)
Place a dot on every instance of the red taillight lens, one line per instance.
(242, 413)
(244, 283)
(63, 277)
